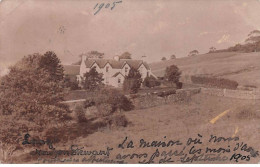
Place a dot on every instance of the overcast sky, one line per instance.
(154, 28)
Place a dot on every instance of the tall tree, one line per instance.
(133, 81)
(30, 99)
(193, 53)
(172, 74)
(163, 58)
(125, 55)
(51, 63)
(92, 79)
(254, 39)
(253, 36)
(173, 57)
(212, 49)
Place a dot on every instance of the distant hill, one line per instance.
(241, 67)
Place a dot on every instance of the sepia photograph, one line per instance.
(129, 81)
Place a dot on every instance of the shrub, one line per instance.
(104, 109)
(179, 85)
(80, 114)
(215, 82)
(151, 82)
(118, 120)
(166, 93)
(112, 97)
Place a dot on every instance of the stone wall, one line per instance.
(240, 94)
(152, 100)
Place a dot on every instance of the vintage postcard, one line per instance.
(129, 81)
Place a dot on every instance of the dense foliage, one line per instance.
(108, 101)
(133, 81)
(30, 97)
(151, 82)
(92, 80)
(172, 74)
(214, 82)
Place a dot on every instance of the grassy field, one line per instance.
(177, 121)
(180, 121)
(241, 67)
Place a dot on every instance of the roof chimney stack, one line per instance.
(116, 58)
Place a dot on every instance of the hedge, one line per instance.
(214, 82)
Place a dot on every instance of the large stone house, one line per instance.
(113, 70)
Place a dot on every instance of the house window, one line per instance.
(107, 68)
(119, 80)
(126, 69)
(147, 74)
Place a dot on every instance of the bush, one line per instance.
(112, 98)
(215, 82)
(166, 93)
(104, 109)
(118, 120)
(80, 114)
(151, 82)
(179, 85)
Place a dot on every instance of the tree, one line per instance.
(125, 55)
(193, 53)
(71, 82)
(173, 57)
(172, 74)
(150, 82)
(132, 82)
(92, 79)
(163, 58)
(253, 36)
(212, 49)
(51, 63)
(30, 96)
(254, 39)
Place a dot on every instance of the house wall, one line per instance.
(114, 81)
(143, 71)
(123, 69)
(108, 76)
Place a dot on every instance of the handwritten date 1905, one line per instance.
(106, 5)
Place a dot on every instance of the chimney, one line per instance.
(84, 58)
(116, 58)
(143, 58)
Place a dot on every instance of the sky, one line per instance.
(154, 28)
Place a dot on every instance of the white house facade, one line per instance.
(114, 70)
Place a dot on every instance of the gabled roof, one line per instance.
(116, 64)
(116, 74)
(71, 69)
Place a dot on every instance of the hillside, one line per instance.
(241, 67)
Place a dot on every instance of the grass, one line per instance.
(241, 67)
(175, 121)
